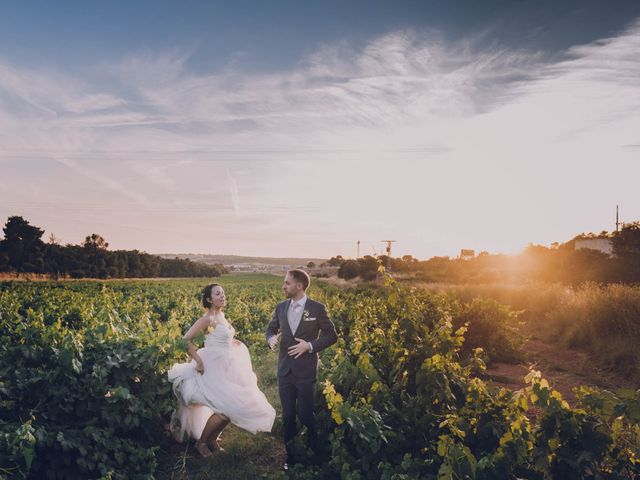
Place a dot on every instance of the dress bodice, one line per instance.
(221, 336)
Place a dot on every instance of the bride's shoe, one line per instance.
(216, 445)
(203, 449)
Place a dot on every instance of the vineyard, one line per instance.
(84, 393)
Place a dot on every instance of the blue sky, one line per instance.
(297, 128)
(273, 35)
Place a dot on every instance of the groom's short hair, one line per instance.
(300, 276)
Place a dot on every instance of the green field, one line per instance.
(78, 340)
(84, 394)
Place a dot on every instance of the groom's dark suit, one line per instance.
(297, 376)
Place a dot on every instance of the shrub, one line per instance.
(490, 326)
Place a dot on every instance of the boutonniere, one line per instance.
(305, 314)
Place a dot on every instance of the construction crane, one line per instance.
(388, 242)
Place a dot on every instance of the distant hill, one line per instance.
(241, 263)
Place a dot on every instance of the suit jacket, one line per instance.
(314, 322)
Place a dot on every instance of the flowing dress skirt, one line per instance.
(227, 386)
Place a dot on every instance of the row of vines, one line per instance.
(83, 389)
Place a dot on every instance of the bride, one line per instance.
(218, 386)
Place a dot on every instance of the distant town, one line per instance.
(237, 263)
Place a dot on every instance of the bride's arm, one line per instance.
(200, 325)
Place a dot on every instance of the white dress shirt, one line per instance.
(295, 318)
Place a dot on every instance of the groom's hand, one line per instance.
(273, 340)
(297, 350)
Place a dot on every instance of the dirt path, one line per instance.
(563, 368)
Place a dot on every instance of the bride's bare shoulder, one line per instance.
(207, 320)
(201, 324)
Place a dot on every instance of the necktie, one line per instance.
(293, 317)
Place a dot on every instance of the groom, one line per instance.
(299, 320)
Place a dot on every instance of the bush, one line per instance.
(349, 269)
(490, 326)
(400, 405)
(86, 395)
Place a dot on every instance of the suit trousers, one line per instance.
(297, 398)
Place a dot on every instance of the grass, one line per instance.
(603, 320)
(246, 456)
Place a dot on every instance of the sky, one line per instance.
(295, 129)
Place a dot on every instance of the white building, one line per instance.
(603, 245)
(467, 254)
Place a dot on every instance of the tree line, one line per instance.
(23, 251)
(560, 263)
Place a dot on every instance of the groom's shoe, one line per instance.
(289, 462)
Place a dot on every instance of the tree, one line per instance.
(336, 261)
(626, 248)
(626, 242)
(22, 246)
(4, 261)
(368, 267)
(95, 242)
(586, 265)
(349, 269)
(96, 246)
(311, 265)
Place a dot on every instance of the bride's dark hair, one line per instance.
(206, 294)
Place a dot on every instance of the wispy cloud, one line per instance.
(348, 130)
(233, 190)
(332, 95)
(107, 181)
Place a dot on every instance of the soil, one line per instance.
(564, 368)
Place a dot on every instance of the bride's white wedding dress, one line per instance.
(228, 386)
